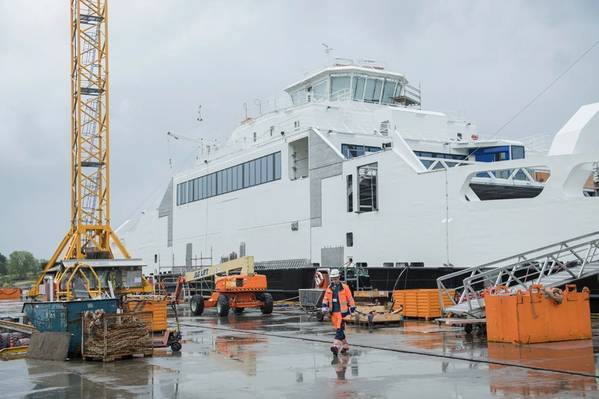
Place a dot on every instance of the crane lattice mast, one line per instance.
(90, 234)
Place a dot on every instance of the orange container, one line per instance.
(158, 308)
(10, 293)
(421, 303)
(530, 317)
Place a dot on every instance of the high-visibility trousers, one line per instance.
(337, 320)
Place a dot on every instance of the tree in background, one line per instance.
(21, 263)
(3, 267)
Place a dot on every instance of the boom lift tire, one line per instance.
(196, 305)
(238, 311)
(222, 305)
(176, 346)
(268, 304)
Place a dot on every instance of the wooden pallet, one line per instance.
(381, 316)
(112, 358)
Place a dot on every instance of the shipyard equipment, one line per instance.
(157, 306)
(90, 241)
(65, 317)
(551, 266)
(554, 265)
(235, 286)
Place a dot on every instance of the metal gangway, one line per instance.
(552, 266)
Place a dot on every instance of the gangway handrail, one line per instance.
(564, 261)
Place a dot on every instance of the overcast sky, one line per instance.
(483, 60)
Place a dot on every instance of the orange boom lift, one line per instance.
(244, 289)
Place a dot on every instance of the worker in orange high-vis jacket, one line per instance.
(339, 301)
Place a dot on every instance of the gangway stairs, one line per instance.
(552, 266)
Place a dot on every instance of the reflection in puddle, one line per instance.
(340, 364)
(234, 347)
(571, 356)
(129, 378)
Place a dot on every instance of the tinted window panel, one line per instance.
(246, 174)
(278, 165)
(270, 167)
(239, 177)
(234, 178)
(358, 89)
(219, 182)
(252, 173)
(263, 169)
(213, 179)
(258, 171)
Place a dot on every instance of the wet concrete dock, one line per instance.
(286, 355)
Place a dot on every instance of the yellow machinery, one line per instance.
(66, 279)
(231, 285)
(90, 235)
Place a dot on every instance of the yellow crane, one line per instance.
(90, 235)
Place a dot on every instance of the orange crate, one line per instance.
(10, 293)
(158, 308)
(531, 317)
(421, 303)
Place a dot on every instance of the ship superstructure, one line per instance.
(354, 170)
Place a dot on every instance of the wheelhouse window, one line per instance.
(367, 187)
(388, 91)
(340, 87)
(299, 97)
(372, 93)
(358, 88)
(375, 88)
(319, 90)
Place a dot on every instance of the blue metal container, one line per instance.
(65, 317)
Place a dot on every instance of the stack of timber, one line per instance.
(110, 337)
(419, 303)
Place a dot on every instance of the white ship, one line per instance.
(353, 170)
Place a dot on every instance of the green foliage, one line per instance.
(3, 266)
(22, 263)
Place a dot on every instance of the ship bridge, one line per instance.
(347, 80)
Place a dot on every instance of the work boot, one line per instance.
(335, 350)
(344, 347)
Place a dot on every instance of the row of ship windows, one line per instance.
(248, 174)
(440, 155)
(356, 150)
